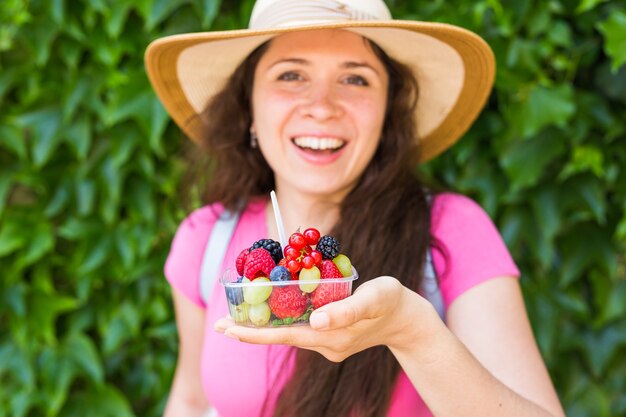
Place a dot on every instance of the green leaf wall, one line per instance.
(91, 170)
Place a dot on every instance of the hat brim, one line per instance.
(454, 68)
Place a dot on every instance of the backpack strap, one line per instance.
(430, 284)
(215, 251)
(430, 287)
(220, 238)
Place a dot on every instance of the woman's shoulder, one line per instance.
(468, 248)
(459, 220)
(449, 205)
(200, 221)
(454, 215)
(201, 218)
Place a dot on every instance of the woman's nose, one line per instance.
(321, 103)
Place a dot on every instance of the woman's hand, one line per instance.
(380, 312)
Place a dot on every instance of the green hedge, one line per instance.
(91, 170)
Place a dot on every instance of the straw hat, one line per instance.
(454, 67)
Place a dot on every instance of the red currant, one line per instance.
(291, 252)
(293, 266)
(308, 262)
(311, 235)
(317, 256)
(297, 240)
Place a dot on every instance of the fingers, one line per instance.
(297, 336)
(335, 346)
(222, 324)
(302, 336)
(370, 301)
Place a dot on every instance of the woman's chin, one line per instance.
(322, 186)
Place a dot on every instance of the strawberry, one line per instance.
(288, 301)
(241, 260)
(259, 263)
(329, 270)
(327, 293)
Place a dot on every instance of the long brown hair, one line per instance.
(395, 244)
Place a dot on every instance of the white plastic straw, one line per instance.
(279, 221)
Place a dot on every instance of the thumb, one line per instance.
(363, 304)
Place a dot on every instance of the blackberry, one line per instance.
(329, 247)
(271, 246)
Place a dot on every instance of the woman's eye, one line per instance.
(356, 80)
(289, 76)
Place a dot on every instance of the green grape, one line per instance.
(239, 313)
(259, 314)
(310, 274)
(257, 294)
(343, 264)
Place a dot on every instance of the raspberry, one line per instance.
(330, 270)
(271, 246)
(259, 263)
(241, 260)
(327, 293)
(329, 247)
(288, 301)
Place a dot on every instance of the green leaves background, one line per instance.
(91, 170)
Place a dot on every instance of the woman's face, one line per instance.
(319, 102)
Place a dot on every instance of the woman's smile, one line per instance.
(319, 150)
(319, 144)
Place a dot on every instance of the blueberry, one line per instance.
(280, 273)
(235, 294)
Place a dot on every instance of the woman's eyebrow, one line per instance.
(300, 61)
(352, 64)
(347, 64)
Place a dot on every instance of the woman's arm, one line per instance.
(486, 362)
(186, 396)
(497, 373)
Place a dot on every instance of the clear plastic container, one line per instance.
(264, 303)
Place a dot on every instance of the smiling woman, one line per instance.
(319, 101)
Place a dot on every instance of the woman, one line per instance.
(323, 101)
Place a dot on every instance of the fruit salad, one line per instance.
(275, 286)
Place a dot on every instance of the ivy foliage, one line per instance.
(91, 169)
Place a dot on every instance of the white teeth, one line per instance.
(316, 143)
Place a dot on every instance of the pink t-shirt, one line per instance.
(237, 376)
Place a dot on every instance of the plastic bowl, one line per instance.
(264, 303)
